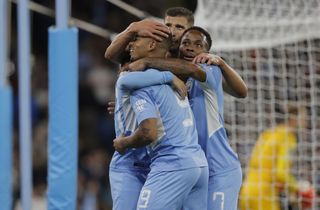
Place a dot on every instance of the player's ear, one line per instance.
(152, 45)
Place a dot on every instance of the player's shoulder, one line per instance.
(141, 91)
(147, 91)
(212, 71)
(152, 70)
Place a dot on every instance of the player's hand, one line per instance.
(110, 107)
(124, 68)
(209, 59)
(151, 28)
(138, 65)
(119, 144)
(180, 87)
(307, 194)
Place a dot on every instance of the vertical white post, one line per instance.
(3, 41)
(63, 9)
(24, 103)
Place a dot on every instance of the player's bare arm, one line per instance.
(183, 69)
(117, 49)
(150, 28)
(232, 82)
(145, 134)
(179, 86)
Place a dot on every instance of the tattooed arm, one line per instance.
(145, 134)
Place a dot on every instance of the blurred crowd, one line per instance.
(97, 78)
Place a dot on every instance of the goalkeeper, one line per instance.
(269, 167)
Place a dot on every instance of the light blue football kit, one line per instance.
(179, 175)
(224, 168)
(225, 176)
(128, 172)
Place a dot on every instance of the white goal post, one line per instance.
(275, 46)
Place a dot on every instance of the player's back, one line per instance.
(177, 144)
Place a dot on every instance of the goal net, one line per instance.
(275, 46)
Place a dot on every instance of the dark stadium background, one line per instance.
(96, 86)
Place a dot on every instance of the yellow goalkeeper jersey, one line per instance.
(269, 166)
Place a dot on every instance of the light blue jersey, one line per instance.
(128, 172)
(176, 147)
(125, 119)
(206, 100)
(179, 175)
(225, 177)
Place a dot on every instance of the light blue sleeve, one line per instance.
(143, 105)
(213, 76)
(137, 80)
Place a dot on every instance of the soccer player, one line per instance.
(127, 173)
(270, 164)
(179, 173)
(206, 99)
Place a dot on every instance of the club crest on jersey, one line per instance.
(140, 105)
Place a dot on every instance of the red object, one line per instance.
(307, 197)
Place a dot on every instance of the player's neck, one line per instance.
(158, 54)
(174, 53)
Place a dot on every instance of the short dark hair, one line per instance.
(201, 30)
(180, 12)
(166, 42)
